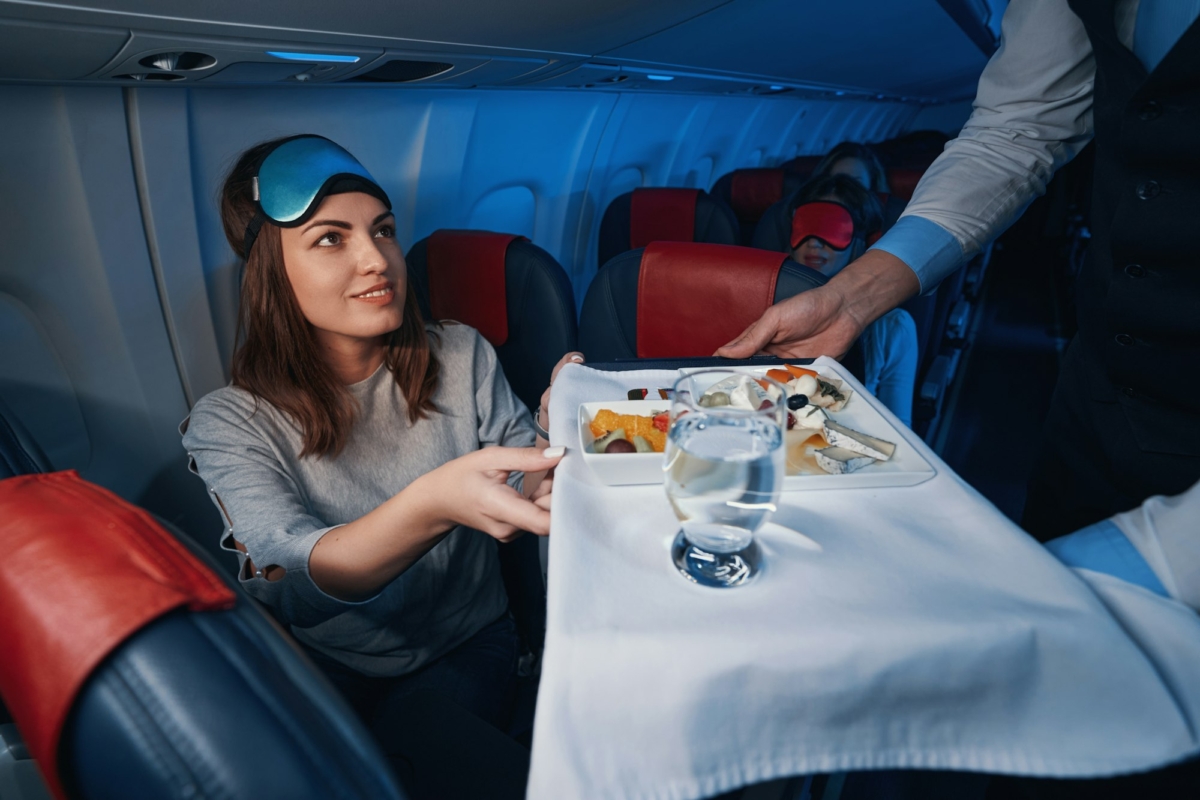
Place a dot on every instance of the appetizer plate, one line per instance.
(907, 467)
(619, 469)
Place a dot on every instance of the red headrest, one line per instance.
(466, 280)
(753, 191)
(801, 165)
(662, 215)
(81, 571)
(828, 221)
(902, 182)
(693, 298)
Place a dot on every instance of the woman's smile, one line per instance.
(380, 294)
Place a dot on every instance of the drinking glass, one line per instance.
(724, 466)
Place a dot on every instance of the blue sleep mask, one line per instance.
(297, 175)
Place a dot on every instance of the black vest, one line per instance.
(1139, 292)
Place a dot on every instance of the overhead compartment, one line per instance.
(45, 51)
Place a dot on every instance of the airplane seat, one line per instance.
(512, 291)
(903, 181)
(750, 192)
(155, 675)
(677, 299)
(19, 452)
(635, 219)
(802, 166)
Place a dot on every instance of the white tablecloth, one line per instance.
(909, 627)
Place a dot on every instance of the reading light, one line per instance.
(776, 88)
(661, 77)
(313, 57)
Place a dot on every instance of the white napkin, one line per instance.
(910, 627)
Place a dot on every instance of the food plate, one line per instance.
(619, 469)
(907, 467)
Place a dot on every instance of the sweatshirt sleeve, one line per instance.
(503, 419)
(262, 508)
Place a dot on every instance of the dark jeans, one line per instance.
(443, 726)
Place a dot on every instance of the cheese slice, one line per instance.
(843, 437)
(840, 461)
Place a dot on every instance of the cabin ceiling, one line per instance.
(897, 47)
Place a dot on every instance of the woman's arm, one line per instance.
(355, 561)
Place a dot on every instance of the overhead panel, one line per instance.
(581, 27)
(911, 48)
(51, 52)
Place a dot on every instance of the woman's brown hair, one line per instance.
(277, 359)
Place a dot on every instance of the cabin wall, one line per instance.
(118, 292)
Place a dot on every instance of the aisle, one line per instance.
(996, 425)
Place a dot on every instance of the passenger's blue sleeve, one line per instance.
(1104, 548)
(927, 248)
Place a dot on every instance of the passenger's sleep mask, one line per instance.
(297, 175)
(828, 221)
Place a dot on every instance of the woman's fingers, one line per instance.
(518, 459)
(511, 509)
(574, 357)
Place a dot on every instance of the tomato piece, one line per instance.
(662, 421)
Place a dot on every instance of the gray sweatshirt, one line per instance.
(278, 505)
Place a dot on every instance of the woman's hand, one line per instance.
(544, 408)
(473, 490)
(358, 559)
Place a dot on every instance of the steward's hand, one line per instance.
(472, 490)
(826, 321)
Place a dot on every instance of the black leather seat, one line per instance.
(205, 704)
(608, 325)
(750, 192)
(539, 306)
(712, 221)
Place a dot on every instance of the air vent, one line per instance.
(402, 71)
(186, 61)
(149, 76)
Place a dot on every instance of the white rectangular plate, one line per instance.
(906, 468)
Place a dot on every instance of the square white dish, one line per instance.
(621, 469)
(907, 467)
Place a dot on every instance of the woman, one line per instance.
(854, 160)
(363, 460)
(832, 220)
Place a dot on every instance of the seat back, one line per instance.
(154, 676)
(636, 218)
(19, 453)
(511, 290)
(802, 166)
(750, 192)
(683, 300)
(903, 181)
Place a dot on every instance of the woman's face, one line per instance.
(346, 268)
(854, 168)
(814, 253)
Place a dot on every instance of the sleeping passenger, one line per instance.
(832, 220)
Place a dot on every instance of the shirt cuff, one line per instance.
(1103, 548)
(927, 248)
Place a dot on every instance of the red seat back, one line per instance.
(662, 215)
(692, 298)
(467, 280)
(903, 181)
(82, 571)
(753, 191)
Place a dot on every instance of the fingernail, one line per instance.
(578, 359)
(554, 452)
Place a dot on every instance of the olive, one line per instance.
(797, 402)
(620, 446)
